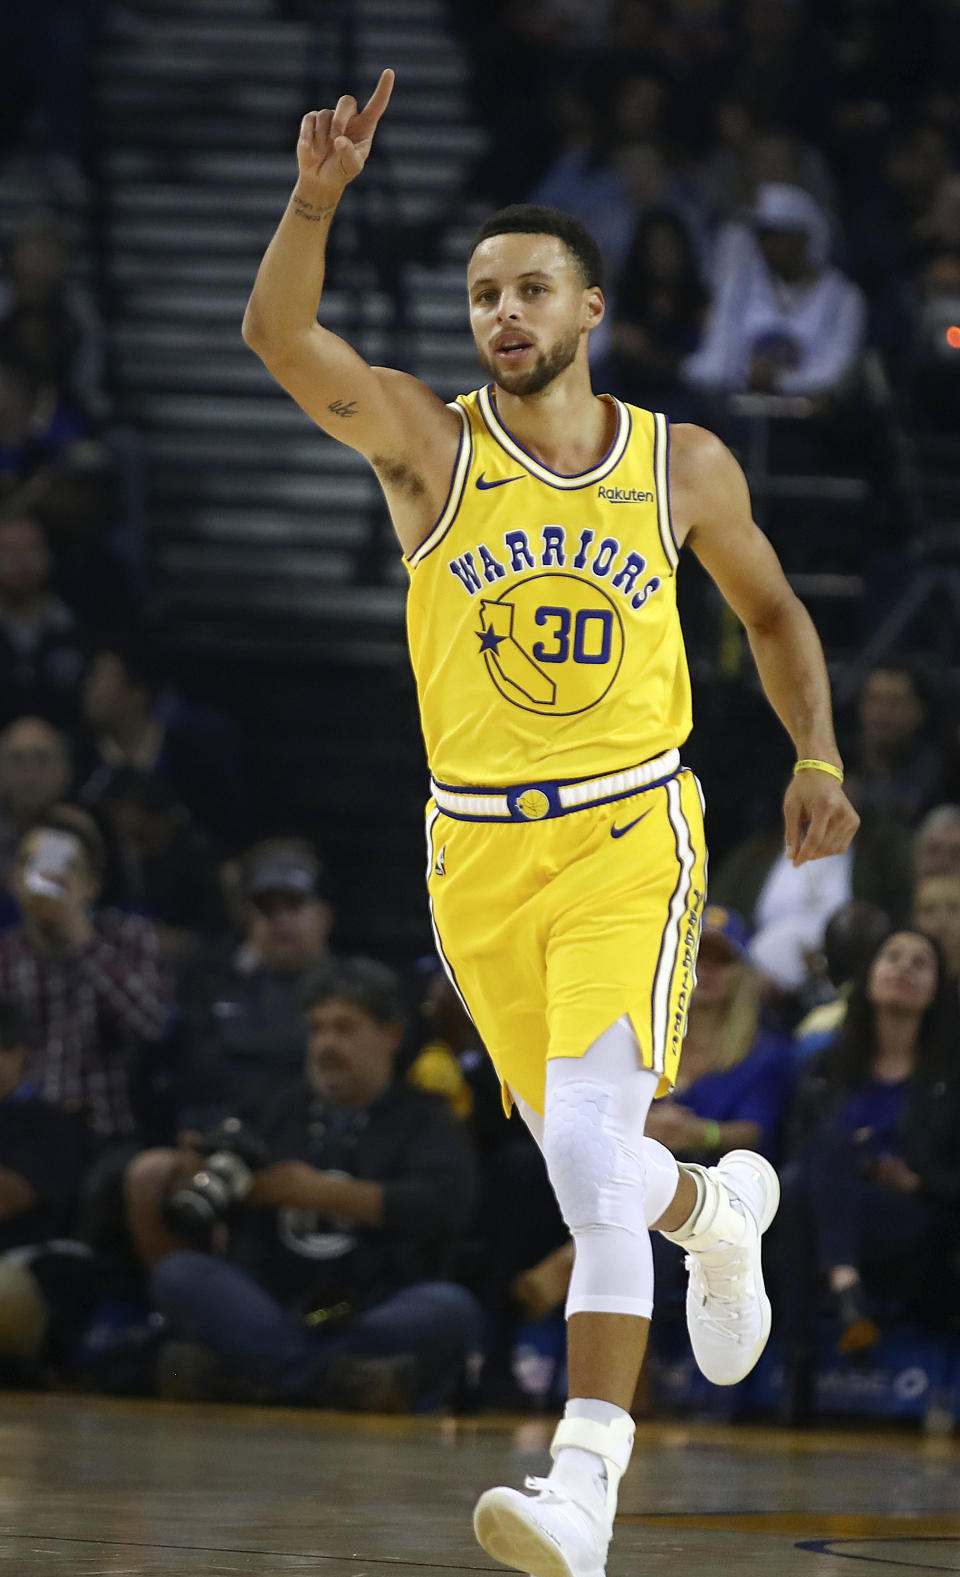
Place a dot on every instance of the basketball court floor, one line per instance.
(133, 1489)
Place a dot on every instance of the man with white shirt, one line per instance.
(783, 320)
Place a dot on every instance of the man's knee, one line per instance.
(454, 1308)
(175, 1280)
(581, 1152)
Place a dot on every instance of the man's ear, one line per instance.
(594, 307)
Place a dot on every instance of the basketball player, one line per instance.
(541, 526)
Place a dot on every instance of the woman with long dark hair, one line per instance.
(870, 1196)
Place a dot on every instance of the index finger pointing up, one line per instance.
(378, 100)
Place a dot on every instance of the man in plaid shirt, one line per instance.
(86, 981)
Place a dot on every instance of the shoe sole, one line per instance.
(514, 1540)
(771, 1204)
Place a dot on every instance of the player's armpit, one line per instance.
(711, 509)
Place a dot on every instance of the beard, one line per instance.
(548, 366)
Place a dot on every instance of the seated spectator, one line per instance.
(936, 911)
(35, 432)
(36, 771)
(936, 843)
(850, 939)
(46, 1277)
(895, 767)
(744, 156)
(37, 277)
(242, 1031)
(339, 1240)
(158, 863)
(789, 906)
(193, 752)
(41, 648)
(870, 1198)
(783, 320)
(84, 979)
(660, 304)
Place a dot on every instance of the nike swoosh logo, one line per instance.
(618, 832)
(485, 486)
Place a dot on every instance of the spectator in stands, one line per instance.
(896, 768)
(936, 843)
(242, 1034)
(93, 531)
(789, 907)
(783, 321)
(932, 362)
(870, 1198)
(193, 752)
(887, 233)
(158, 863)
(38, 277)
(850, 939)
(36, 771)
(41, 647)
(85, 979)
(36, 431)
(338, 1251)
(46, 1277)
(936, 911)
(660, 306)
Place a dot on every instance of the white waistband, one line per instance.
(494, 804)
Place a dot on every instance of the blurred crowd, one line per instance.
(237, 1164)
(774, 185)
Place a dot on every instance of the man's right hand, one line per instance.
(335, 144)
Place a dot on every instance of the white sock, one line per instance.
(582, 1473)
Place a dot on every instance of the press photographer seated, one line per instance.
(327, 1225)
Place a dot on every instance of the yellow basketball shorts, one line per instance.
(552, 930)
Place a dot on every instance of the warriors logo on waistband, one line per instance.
(553, 642)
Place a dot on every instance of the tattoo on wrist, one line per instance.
(343, 408)
(310, 211)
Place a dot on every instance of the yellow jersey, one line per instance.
(542, 613)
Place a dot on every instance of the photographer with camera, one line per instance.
(337, 1214)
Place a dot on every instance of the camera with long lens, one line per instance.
(233, 1155)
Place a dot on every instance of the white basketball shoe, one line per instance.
(728, 1311)
(558, 1531)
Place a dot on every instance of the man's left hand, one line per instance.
(818, 818)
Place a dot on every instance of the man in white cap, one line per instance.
(783, 320)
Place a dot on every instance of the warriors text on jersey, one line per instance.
(542, 614)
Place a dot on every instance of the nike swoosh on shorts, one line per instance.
(485, 486)
(618, 832)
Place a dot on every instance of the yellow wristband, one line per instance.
(819, 766)
(711, 1134)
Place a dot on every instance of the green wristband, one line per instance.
(711, 1134)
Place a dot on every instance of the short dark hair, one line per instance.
(536, 219)
(363, 982)
(80, 825)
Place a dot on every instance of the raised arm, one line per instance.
(711, 507)
(403, 428)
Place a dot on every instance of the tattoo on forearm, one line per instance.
(343, 408)
(309, 211)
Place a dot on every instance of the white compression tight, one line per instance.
(611, 1182)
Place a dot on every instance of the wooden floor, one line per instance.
(131, 1489)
